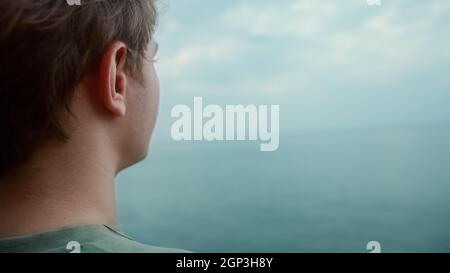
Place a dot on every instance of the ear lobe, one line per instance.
(113, 80)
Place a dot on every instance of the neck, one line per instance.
(61, 185)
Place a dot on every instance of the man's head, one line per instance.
(68, 72)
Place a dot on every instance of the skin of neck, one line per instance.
(64, 183)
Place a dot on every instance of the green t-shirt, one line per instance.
(80, 239)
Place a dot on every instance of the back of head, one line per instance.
(46, 48)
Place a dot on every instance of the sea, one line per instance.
(331, 190)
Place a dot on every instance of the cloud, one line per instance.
(292, 18)
(310, 54)
(380, 42)
(319, 41)
(217, 51)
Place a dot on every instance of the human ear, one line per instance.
(113, 79)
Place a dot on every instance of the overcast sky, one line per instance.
(328, 63)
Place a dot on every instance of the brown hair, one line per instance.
(46, 48)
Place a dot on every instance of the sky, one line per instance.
(328, 64)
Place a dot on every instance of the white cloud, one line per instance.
(331, 62)
(310, 42)
(201, 56)
(218, 51)
(297, 18)
(282, 82)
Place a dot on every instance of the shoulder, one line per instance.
(115, 241)
(81, 239)
(118, 244)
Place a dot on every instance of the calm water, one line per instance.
(321, 191)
